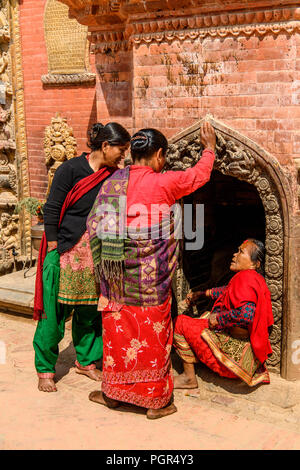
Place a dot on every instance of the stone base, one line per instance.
(280, 394)
(17, 295)
(17, 292)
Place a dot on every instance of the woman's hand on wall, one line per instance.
(208, 136)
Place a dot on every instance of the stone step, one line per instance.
(280, 394)
(17, 292)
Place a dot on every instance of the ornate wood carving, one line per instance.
(8, 175)
(19, 118)
(241, 158)
(134, 22)
(13, 183)
(59, 145)
(217, 25)
(9, 236)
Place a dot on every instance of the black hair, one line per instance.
(147, 141)
(258, 254)
(113, 133)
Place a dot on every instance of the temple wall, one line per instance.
(249, 81)
(42, 102)
(167, 65)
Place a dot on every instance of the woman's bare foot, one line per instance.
(155, 414)
(46, 385)
(183, 381)
(99, 397)
(94, 374)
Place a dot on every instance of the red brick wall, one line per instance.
(251, 84)
(114, 88)
(246, 82)
(76, 103)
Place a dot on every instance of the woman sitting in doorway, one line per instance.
(232, 339)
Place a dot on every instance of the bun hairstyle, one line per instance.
(113, 133)
(258, 254)
(145, 142)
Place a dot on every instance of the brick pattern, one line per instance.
(76, 103)
(114, 88)
(249, 83)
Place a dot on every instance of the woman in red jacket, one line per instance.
(135, 272)
(232, 339)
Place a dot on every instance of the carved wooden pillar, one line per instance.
(14, 234)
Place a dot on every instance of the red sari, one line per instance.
(227, 356)
(137, 343)
(138, 334)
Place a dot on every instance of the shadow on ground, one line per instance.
(234, 386)
(66, 361)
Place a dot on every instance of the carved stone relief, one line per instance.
(237, 159)
(59, 145)
(9, 222)
(67, 47)
(9, 239)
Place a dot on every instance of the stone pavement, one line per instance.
(213, 417)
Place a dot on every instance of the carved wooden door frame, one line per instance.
(242, 158)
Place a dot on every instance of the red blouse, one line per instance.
(148, 189)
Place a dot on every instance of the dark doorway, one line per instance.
(233, 212)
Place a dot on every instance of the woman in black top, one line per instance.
(68, 277)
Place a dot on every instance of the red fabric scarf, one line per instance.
(80, 188)
(249, 286)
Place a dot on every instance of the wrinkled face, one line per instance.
(114, 154)
(242, 259)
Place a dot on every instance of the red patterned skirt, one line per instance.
(192, 348)
(227, 356)
(137, 343)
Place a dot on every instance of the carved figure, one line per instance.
(5, 114)
(9, 232)
(59, 145)
(8, 175)
(4, 27)
(4, 77)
